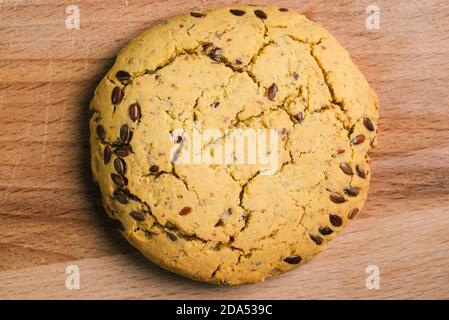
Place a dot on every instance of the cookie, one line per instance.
(186, 89)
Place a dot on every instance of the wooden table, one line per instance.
(49, 214)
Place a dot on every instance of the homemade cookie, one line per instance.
(233, 67)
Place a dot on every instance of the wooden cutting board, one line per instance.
(49, 214)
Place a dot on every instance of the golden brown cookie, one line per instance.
(243, 67)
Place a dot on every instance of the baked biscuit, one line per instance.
(233, 67)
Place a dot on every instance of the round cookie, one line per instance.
(233, 67)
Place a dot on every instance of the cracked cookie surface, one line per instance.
(233, 67)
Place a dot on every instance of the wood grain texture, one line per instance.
(49, 213)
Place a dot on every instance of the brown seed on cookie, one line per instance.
(353, 213)
(346, 168)
(154, 168)
(317, 239)
(134, 112)
(368, 124)
(360, 171)
(237, 12)
(215, 104)
(101, 133)
(207, 46)
(293, 259)
(238, 61)
(358, 139)
(137, 215)
(295, 75)
(125, 134)
(185, 211)
(260, 14)
(172, 236)
(197, 14)
(352, 191)
(216, 54)
(121, 197)
(325, 231)
(151, 234)
(123, 75)
(123, 151)
(219, 223)
(120, 166)
(107, 154)
(119, 180)
(272, 90)
(283, 9)
(335, 220)
(117, 95)
(299, 116)
(179, 139)
(337, 197)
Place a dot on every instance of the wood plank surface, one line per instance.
(49, 212)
